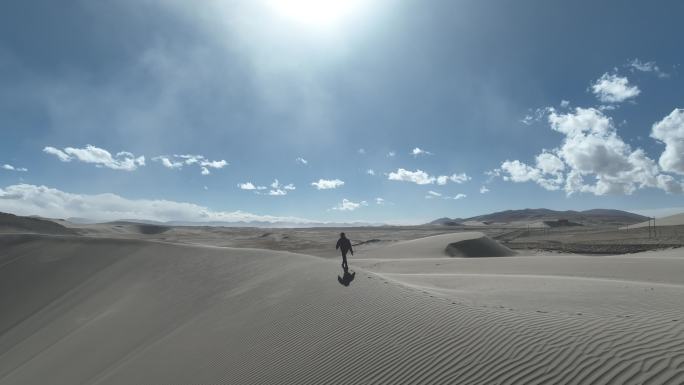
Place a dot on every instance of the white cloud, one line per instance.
(9, 167)
(419, 151)
(289, 187)
(417, 177)
(565, 103)
(301, 160)
(432, 194)
(421, 177)
(123, 160)
(168, 163)
(275, 184)
(61, 155)
(327, 184)
(361, 151)
(391, 154)
(379, 201)
(592, 149)
(176, 162)
(459, 196)
(649, 66)
(26, 199)
(611, 88)
(670, 131)
(484, 190)
(370, 171)
(277, 192)
(456, 178)
(347, 205)
(247, 186)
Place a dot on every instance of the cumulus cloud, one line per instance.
(9, 167)
(419, 151)
(592, 150)
(347, 205)
(177, 162)
(301, 160)
(611, 88)
(421, 177)
(417, 177)
(670, 131)
(26, 199)
(327, 184)
(247, 186)
(123, 160)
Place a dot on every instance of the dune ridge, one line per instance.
(98, 311)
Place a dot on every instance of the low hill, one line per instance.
(10, 223)
(672, 220)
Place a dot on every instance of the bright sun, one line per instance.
(319, 13)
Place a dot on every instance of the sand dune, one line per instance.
(98, 311)
(471, 244)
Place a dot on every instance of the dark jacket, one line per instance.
(345, 245)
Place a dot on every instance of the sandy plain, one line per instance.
(126, 303)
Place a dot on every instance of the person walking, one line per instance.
(345, 246)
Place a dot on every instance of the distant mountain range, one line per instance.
(595, 216)
(260, 224)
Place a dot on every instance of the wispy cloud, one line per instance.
(26, 199)
(347, 205)
(484, 190)
(177, 162)
(9, 167)
(123, 160)
(419, 151)
(301, 160)
(370, 171)
(648, 66)
(327, 184)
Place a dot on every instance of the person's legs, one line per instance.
(344, 259)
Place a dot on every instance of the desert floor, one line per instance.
(141, 304)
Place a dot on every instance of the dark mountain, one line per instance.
(446, 222)
(587, 217)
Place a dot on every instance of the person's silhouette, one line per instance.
(345, 246)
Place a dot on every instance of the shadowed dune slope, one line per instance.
(466, 244)
(95, 311)
(10, 223)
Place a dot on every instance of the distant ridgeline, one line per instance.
(551, 218)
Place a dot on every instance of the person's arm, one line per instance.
(337, 246)
(350, 248)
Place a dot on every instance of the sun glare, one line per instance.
(318, 13)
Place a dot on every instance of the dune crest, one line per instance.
(471, 244)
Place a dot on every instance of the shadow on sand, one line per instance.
(347, 278)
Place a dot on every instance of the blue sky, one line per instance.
(485, 106)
